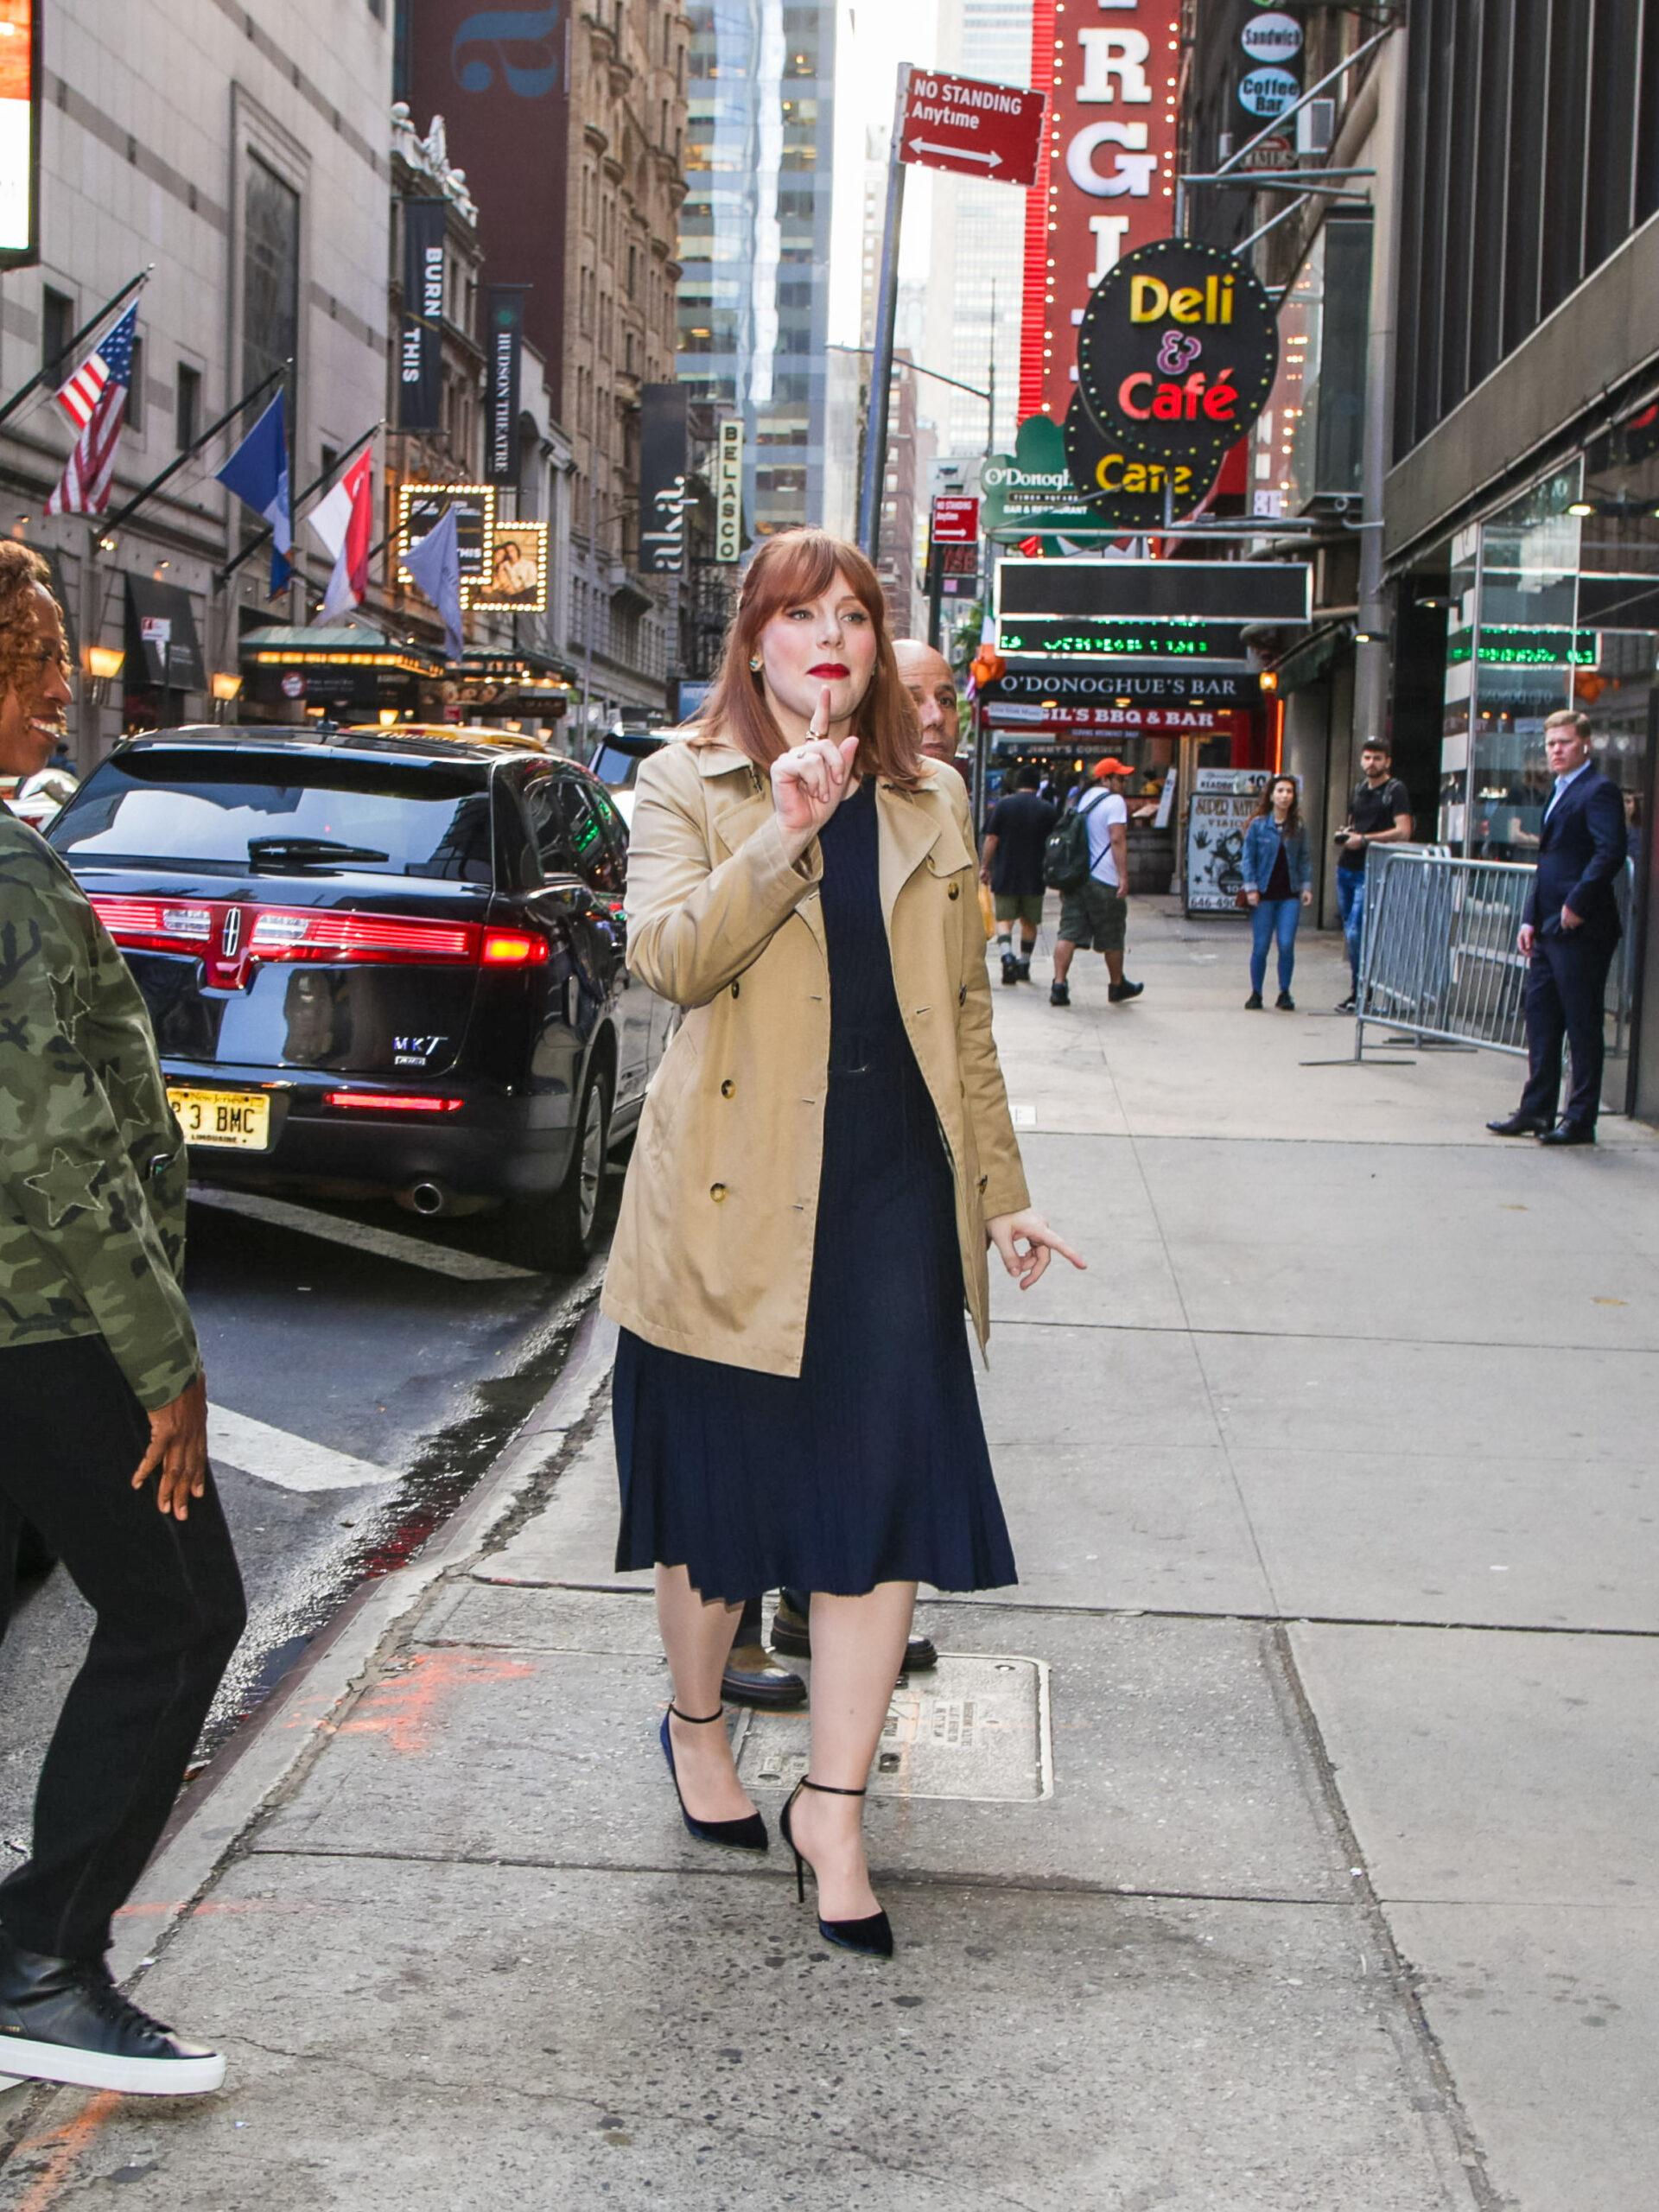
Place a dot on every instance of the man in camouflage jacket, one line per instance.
(104, 1449)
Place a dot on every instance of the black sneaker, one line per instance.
(1059, 994)
(1010, 968)
(1022, 971)
(1253, 1004)
(1118, 992)
(1346, 1006)
(64, 2020)
(1285, 1003)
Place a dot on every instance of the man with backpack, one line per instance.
(1087, 861)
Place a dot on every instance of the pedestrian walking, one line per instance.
(1278, 875)
(824, 1157)
(106, 1452)
(1379, 813)
(1567, 939)
(1011, 865)
(925, 674)
(1095, 898)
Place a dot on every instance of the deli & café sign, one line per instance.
(1177, 352)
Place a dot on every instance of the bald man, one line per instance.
(926, 675)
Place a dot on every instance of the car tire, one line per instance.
(572, 1213)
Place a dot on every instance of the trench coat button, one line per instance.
(727, 1088)
(956, 890)
(716, 1191)
(962, 996)
(734, 990)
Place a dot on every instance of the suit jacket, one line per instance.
(1580, 857)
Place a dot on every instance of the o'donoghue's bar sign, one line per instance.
(1178, 351)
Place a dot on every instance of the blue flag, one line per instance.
(435, 563)
(257, 473)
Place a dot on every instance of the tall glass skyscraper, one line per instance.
(978, 245)
(754, 240)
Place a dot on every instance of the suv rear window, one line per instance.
(173, 805)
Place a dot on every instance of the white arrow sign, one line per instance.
(955, 153)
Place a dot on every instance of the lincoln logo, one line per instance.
(231, 935)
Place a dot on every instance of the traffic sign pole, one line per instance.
(874, 479)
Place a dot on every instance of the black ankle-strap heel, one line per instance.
(872, 1935)
(748, 1834)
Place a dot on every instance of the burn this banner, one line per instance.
(420, 344)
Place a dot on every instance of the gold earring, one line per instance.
(755, 664)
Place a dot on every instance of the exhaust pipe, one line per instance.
(427, 1198)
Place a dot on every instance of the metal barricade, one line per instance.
(1438, 954)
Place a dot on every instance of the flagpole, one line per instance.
(41, 375)
(139, 498)
(342, 461)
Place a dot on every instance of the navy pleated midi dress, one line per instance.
(871, 1465)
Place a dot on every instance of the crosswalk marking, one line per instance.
(274, 1455)
(363, 1237)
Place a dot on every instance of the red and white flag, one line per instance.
(345, 523)
(100, 406)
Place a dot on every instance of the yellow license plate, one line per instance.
(238, 1119)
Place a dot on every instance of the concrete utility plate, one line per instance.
(977, 1729)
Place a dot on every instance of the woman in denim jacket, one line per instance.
(1277, 877)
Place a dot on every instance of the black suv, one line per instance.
(378, 962)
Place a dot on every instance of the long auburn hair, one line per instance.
(791, 568)
(1264, 804)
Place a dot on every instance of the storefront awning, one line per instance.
(347, 645)
(162, 646)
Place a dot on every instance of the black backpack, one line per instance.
(1065, 856)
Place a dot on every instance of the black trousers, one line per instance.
(169, 1606)
(1567, 984)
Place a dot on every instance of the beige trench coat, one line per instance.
(713, 1252)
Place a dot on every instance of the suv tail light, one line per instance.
(156, 924)
(514, 949)
(324, 933)
(233, 936)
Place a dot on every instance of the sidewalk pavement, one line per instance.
(1284, 1840)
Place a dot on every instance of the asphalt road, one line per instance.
(363, 1367)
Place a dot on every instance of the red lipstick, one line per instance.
(830, 668)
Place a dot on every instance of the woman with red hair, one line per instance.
(823, 1156)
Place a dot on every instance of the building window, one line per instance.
(186, 408)
(135, 389)
(271, 275)
(57, 327)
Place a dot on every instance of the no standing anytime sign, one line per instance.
(972, 128)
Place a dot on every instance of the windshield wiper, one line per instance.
(307, 852)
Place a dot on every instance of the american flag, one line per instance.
(96, 397)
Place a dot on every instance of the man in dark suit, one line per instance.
(1568, 937)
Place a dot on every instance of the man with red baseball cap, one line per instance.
(1096, 913)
